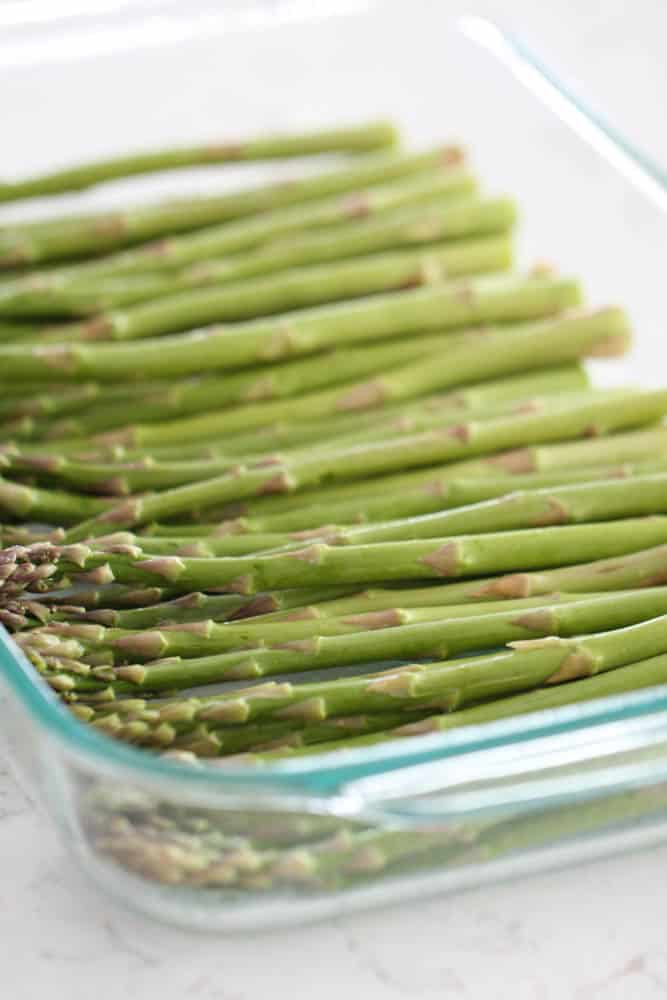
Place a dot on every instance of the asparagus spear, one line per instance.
(297, 288)
(578, 503)
(206, 659)
(615, 449)
(263, 609)
(525, 347)
(638, 675)
(114, 595)
(633, 677)
(405, 633)
(320, 564)
(196, 607)
(159, 400)
(308, 374)
(406, 503)
(146, 471)
(442, 216)
(207, 741)
(76, 236)
(37, 567)
(505, 509)
(305, 332)
(225, 545)
(64, 399)
(447, 443)
(45, 295)
(601, 500)
(348, 139)
(403, 595)
(449, 686)
(513, 393)
(643, 568)
(50, 506)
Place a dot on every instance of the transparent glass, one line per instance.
(229, 846)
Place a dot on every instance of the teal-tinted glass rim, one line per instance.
(326, 774)
(319, 774)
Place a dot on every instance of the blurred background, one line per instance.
(614, 50)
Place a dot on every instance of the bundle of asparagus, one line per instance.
(225, 417)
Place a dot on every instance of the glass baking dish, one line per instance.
(228, 846)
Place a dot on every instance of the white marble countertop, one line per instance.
(597, 930)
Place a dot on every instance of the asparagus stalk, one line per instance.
(111, 596)
(449, 686)
(225, 545)
(207, 660)
(406, 596)
(601, 500)
(197, 607)
(469, 505)
(45, 295)
(161, 259)
(633, 677)
(122, 476)
(207, 741)
(76, 236)
(644, 568)
(348, 139)
(270, 607)
(408, 503)
(283, 381)
(305, 332)
(615, 449)
(515, 392)
(520, 348)
(320, 564)
(578, 503)
(33, 401)
(40, 567)
(442, 216)
(405, 633)
(448, 443)
(48, 505)
(298, 288)
(638, 675)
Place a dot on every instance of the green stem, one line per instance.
(634, 677)
(197, 607)
(431, 212)
(647, 449)
(351, 139)
(408, 503)
(77, 236)
(444, 444)
(395, 633)
(282, 381)
(597, 501)
(521, 348)
(299, 288)
(307, 331)
(320, 564)
(50, 506)
(450, 686)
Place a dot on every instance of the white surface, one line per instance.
(594, 931)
